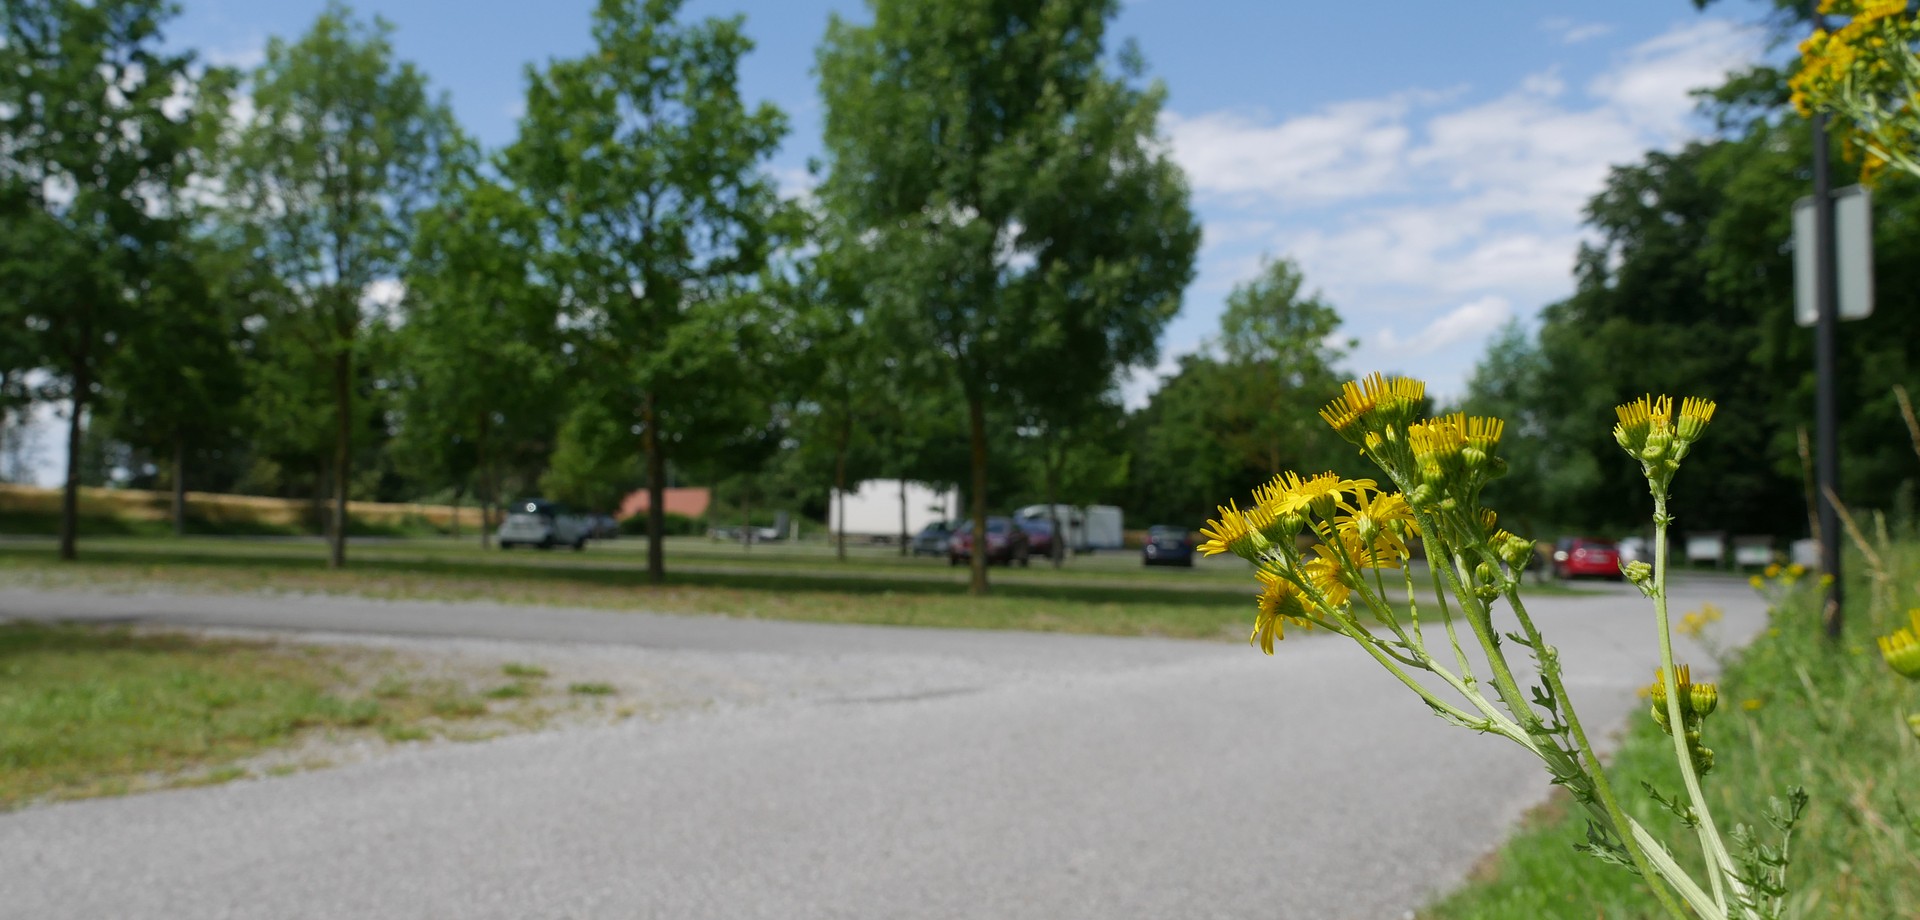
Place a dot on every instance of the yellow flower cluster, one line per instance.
(1696, 622)
(1902, 649)
(1869, 72)
(1648, 432)
(1355, 526)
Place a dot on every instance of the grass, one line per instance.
(1795, 710)
(88, 711)
(1104, 594)
(592, 688)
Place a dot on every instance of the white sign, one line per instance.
(1853, 247)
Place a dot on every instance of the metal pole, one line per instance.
(1826, 421)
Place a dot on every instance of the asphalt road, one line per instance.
(873, 772)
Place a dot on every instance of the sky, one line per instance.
(1425, 164)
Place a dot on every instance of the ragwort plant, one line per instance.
(1321, 546)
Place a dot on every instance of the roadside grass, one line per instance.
(1794, 709)
(88, 711)
(1217, 603)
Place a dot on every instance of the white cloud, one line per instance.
(1570, 32)
(1429, 218)
(1469, 321)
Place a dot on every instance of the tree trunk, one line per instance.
(70, 495)
(342, 455)
(453, 526)
(840, 496)
(905, 550)
(746, 517)
(179, 485)
(1057, 548)
(656, 496)
(489, 486)
(977, 423)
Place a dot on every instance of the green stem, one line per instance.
(1720, 862)
(1596, 771)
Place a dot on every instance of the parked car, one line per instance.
(538, 522)
(932, 539)
(1167, 545)
(602, 527)
(1040, 537)
(1574, 557)
(1006, 543)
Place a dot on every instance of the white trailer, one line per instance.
(1088, 528)
(872, 508)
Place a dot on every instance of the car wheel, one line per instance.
(953, 560)
(1188, 563)
(580, 544)
(1025, 559)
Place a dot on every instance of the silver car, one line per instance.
(538, 522)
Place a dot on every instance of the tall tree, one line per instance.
(646, 168)
(1279, 342)
(1028, 226)
(96, 121)
(344, 147)
(177, 385)
(481, 341)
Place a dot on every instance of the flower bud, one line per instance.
(1705, 697)
(1637, 571)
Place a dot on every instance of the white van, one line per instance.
(538, 522)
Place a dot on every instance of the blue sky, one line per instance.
(1425, 163)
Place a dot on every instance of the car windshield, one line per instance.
(1040, 526)
(1166, 532)
(998, 525)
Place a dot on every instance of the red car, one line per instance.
(1006, 543)
(1574, 557)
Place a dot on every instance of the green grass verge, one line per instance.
(1795, 710)
(1109, 597)
(90, 711)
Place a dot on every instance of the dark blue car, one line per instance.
(1168, 545)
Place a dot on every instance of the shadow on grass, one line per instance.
(634, 576)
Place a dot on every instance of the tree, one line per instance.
(345, 146)
(1277, 340)
(646, 169)
(96, 122)
(481, 341)
(178, 384)
(1027, 225)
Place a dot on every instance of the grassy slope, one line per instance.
(1795, 709)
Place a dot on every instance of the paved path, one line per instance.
(886, 773)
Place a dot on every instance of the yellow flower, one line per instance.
(1750, 704)
(1484, 433)
(1756, 582)
(1372, 404)
(1376, 516)
(1321, 493)
(1236, 532)
(1327, 577)
(1641, 420)
(1796, 570)
(1695, 413)
(1696, 700)
(1773, 571)
(1279, 602)
(1902, 649)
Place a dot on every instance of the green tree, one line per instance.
(1279, 343)
(482, 372)
(1026, 223)
(646, 168)
(177, 384)
(97, 122)
(345, 146)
